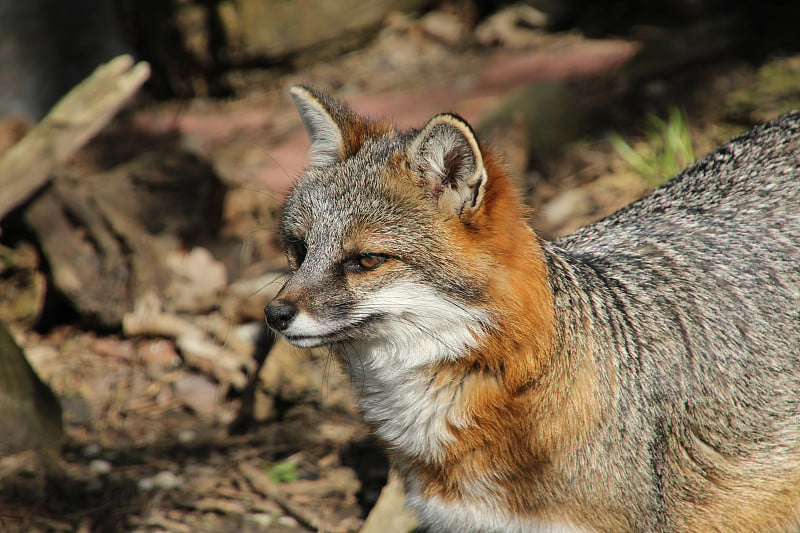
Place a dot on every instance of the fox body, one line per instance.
(642, 374)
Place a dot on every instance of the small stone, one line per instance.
(145, 484)
(91, 450)
(166, 480)
(186, 436)
(100, 467)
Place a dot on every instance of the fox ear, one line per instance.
(337, 132)
(317, 113)
(449, 159)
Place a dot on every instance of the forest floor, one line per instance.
(148, 416)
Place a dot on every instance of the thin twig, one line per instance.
(263, 484)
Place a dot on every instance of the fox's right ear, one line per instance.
(449, 160)
(317, 113)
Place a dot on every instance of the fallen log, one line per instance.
(72, 122)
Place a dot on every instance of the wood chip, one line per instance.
(220, 505)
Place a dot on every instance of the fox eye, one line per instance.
(365, 262)
(296, 248)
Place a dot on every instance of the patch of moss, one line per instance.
(775, 91)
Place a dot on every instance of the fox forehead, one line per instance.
(368, 197)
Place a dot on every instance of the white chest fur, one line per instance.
(408, 411)
(478, 516)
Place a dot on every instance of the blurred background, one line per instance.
(132, 283)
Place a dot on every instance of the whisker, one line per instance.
(279, 277)
(277, 198)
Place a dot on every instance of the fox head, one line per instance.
(392, 238)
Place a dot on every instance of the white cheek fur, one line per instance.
(423, 328)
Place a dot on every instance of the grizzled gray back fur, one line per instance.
(697, 288)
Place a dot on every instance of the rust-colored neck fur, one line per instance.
(527, 400)
(521, 399)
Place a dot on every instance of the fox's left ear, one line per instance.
(319, 115)
(448, 158)
(336, 131)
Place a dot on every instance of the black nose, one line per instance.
(279, 314)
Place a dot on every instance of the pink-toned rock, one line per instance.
(198, 393)
(273, 122)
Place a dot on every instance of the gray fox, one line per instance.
(642, 374)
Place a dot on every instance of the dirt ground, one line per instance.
(148, 412)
